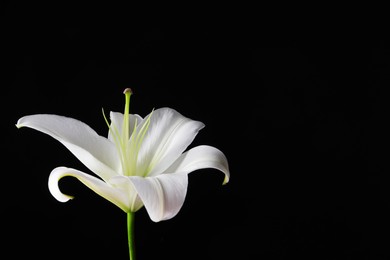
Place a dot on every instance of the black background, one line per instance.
(300, 112)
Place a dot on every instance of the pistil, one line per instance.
(125, 130)
(126, 133)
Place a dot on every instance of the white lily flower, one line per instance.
(143, 162)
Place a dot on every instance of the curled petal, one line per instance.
(117, 196)
(201, 157)
(93, 150)
(163, 195)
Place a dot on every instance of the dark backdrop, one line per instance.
(300, 112)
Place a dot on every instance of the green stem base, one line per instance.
(130, 234)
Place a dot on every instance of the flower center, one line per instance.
(128, 141)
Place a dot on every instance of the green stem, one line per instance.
(130, 234)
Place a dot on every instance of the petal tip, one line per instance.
(19, 124)
(225, 181)
(62, 197)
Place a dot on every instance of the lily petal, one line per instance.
(124, 183)
(94, 151)
(119, 197)
(163, 195)
(168, 135)
(201, 157)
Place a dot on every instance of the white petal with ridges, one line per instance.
(167, 137)
(96, 152)
(163, 195)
